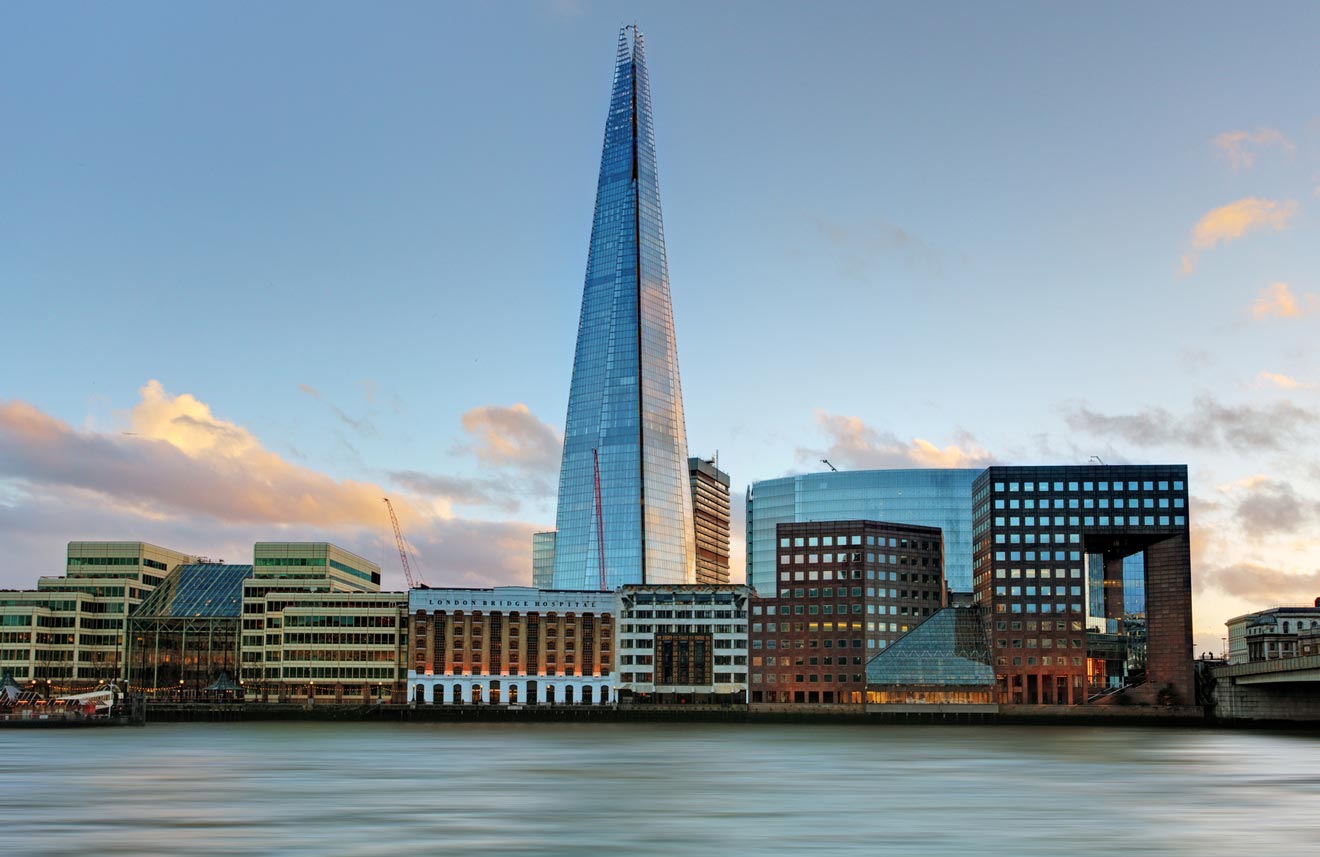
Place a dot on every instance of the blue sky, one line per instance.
(352, 239)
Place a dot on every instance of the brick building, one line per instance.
(846, 590)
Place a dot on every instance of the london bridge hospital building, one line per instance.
(511, 645)
(518, 645)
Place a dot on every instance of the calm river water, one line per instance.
(310, 788)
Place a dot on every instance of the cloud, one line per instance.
(855, 445)
(178, 458)
(513, 437)
(1278, 300)
(1266, 507)
(1264, 585)
(1239, 146)
(362, 426)
(860, 245)
(1232, 221)
(1208, 425)
(183, 477)
(459, 490)
(1278, 380)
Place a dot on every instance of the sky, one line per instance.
(263, 265)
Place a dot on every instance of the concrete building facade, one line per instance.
(1280, 632)
(69, 633)
(317, 627)
(683, 644)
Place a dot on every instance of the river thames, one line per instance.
(316, 788)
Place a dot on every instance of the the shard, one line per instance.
(625, 427)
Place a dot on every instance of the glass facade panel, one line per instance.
(625, 404)
(930, 498)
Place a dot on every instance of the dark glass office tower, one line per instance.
(625, 406)
(1033, 528)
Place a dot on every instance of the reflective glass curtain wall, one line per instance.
(625, 403)
(930, 498)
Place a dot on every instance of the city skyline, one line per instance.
(234, 291)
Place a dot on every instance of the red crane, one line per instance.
(403, 549)
(600, 522)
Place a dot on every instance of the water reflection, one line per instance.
(565, 789)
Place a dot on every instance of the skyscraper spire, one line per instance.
(625, 401)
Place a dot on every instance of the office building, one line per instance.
(845, 591)
(511, 645)
(683, 644)
(543, 560)
(1034, 527)
(623, 481)
(69, 633)
(710, 518)
(317, 627)
(927, 498)
(185, 635)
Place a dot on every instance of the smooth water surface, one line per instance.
(312, 788)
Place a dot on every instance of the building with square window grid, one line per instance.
(845, 591)
(683, 644)
(1033, 528)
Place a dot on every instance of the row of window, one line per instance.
(1143, 485)
(808, 678)
(1045, 661)
(830, 559)
(842, 541)
(648, 678)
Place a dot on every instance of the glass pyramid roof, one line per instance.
(949, 648)
(201, 589)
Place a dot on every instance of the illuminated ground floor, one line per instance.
(510, 690)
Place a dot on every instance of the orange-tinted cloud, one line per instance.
(1277, 300)
(1239, 146)
(513, 436)
(1278, 380)
(855, 445)
(182, 476)
(1230, 222)
(178, 458)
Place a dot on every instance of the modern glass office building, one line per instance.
(928, 498)
(625, 444)
(1035, 526)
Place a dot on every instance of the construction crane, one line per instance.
(600, 521)
(403, 549)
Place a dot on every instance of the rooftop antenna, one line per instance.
(826, 462)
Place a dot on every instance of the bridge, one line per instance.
(1282, 689)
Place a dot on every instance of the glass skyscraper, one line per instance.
(625, 406)
(928, 498)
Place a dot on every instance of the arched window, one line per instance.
(568, 695)
(586, 695)
(550, 694)
(604, 695)
(457, 698)
(513, 694)
(419, 693)
(1285, 627)
(476, 694)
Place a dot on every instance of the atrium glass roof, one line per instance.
(949, 648)
(201, 589)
